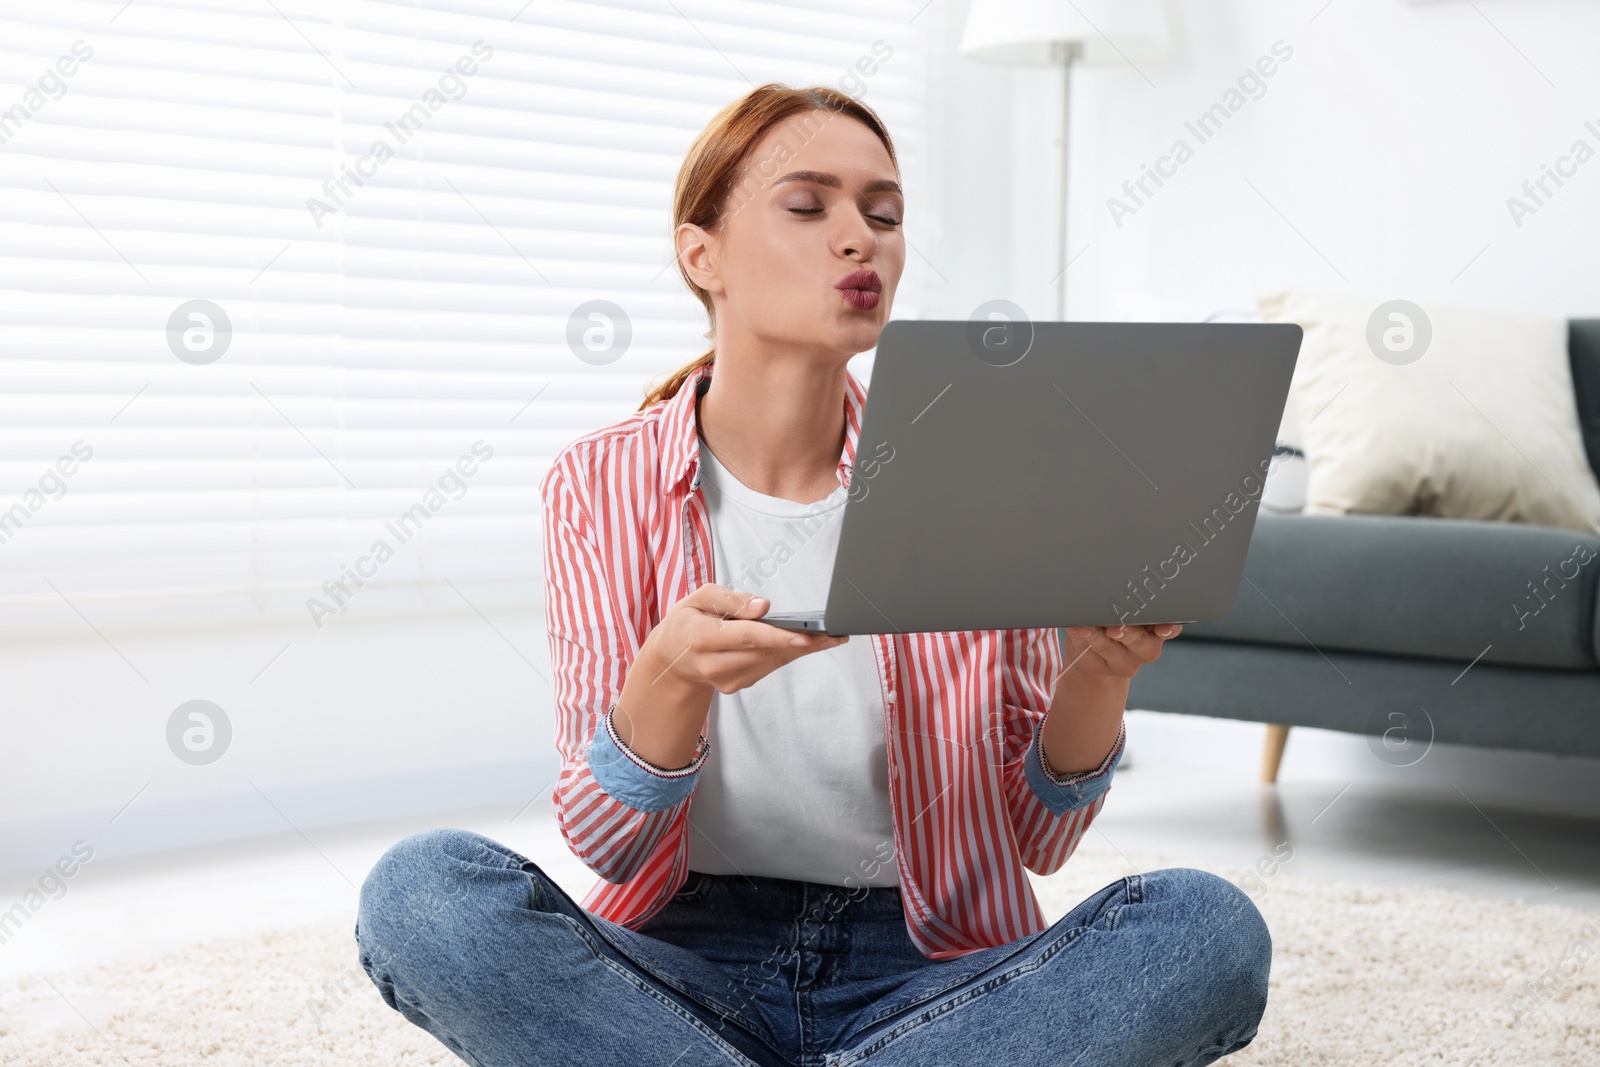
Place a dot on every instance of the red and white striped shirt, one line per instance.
(626, 536)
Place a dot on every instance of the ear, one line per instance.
(697, 251)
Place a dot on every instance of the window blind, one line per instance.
(287, 287)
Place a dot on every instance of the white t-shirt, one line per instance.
(797, 781)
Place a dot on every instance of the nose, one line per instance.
(856, 241)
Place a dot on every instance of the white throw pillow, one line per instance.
(1437, 410)
(1285, 488)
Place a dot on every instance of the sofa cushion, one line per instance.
(1443, 588)
(1473, 417)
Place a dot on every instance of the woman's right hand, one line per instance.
(710, 641)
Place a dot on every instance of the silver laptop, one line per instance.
(1055, 474)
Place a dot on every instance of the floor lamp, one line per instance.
(1063, 33)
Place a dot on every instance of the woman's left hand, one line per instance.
(1116, 651)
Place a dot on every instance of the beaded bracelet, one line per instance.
(1083, 776)
(702, 747)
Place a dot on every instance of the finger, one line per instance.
(781, 647)
(1161, 633)
(751, 606)
(746, 666)
(752, 634)
(1116, 655)
(812, 642)
(1130, 636)
(1080, 637)
(1101, 636)
(1141, 641)
(728, 603)
(715, 599)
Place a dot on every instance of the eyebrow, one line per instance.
(832, 181)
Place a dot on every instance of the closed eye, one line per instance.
(885, 220)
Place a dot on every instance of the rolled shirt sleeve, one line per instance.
(635, 781)
(1064, 793)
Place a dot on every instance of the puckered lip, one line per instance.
(867, 280)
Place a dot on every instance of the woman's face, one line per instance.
(818, 202)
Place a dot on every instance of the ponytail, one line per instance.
(668, 389)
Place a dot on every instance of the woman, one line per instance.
(811, 848)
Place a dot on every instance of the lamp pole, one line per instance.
(1064, 53)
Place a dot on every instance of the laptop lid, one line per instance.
(1057, 473)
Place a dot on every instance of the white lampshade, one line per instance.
(1024, 32)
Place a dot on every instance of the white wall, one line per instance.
(375, 715)
(1392, 140)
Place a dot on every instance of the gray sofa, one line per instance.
(1406, 629)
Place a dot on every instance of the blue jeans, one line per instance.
(476, 945)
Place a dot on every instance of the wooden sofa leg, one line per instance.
(1272, 754)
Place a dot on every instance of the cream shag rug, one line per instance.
(1360, 976)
